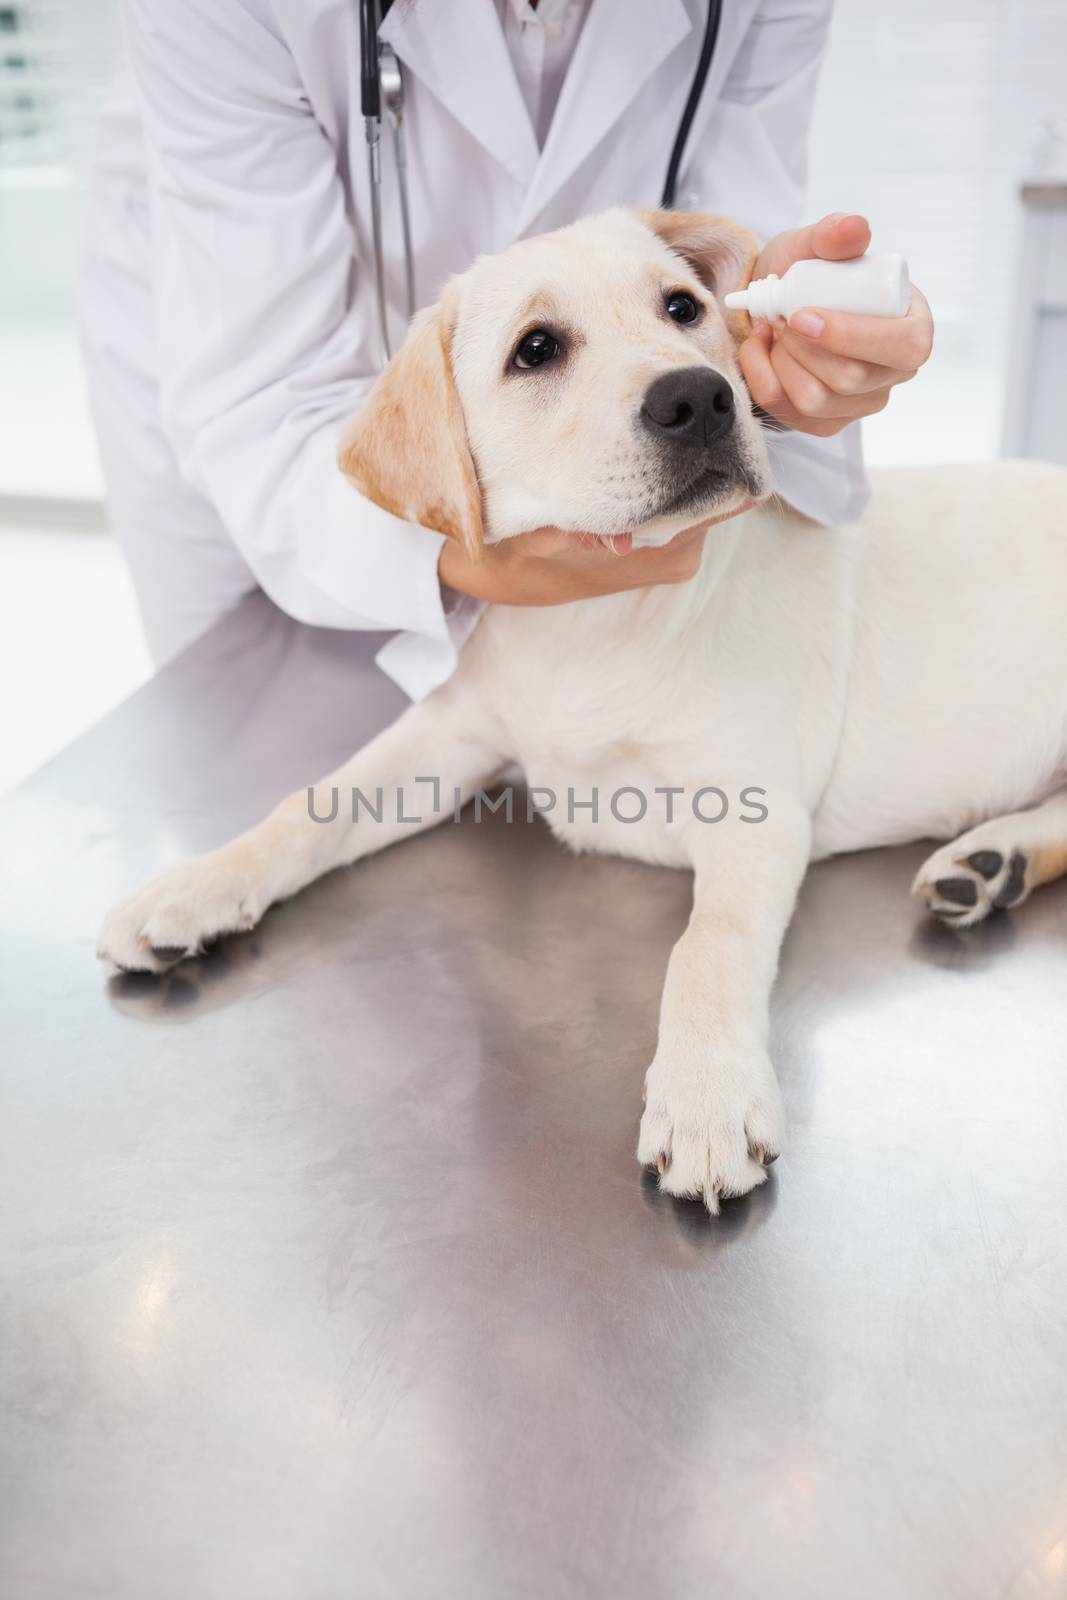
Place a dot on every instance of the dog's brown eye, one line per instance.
(681, 306)
(535, 348)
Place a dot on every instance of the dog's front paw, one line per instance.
(177, 914)
(711, 1127)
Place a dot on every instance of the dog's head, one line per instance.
(585, 379)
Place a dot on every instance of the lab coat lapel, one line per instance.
(620, 46)
(457, 48)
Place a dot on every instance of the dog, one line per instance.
(899, 679)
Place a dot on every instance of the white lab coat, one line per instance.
(229, 315)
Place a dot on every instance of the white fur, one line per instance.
(900, 679)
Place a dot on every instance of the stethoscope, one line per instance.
(381, 83)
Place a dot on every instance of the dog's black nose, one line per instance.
(692, 405)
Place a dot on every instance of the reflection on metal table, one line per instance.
(326, 1268)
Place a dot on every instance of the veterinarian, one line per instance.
(229, 312)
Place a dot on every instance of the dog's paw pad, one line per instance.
(1013, 888)
(987, 863)
(958, 891)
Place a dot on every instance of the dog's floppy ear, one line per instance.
(407, 450)
(721, 253)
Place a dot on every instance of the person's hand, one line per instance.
(549, 567)
(824, 369)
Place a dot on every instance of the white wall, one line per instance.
(929, 113)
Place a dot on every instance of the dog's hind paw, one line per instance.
(981, 872)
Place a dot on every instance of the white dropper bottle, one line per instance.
(875, 286)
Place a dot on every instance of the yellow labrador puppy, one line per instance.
(809, 691)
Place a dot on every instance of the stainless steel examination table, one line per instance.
(326, 1269)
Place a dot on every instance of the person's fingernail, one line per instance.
(808, 323)
(836, 216)
(763, 330)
